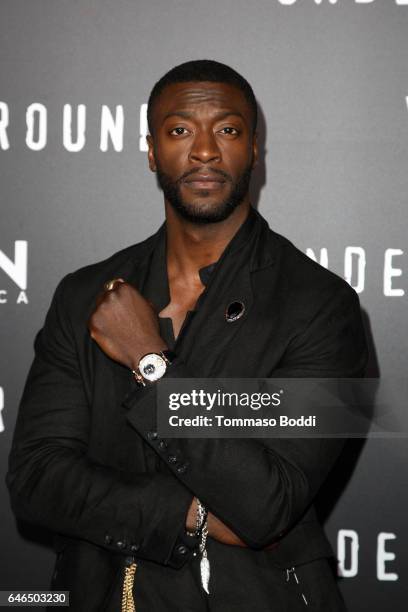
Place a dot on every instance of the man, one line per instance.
(214, 293)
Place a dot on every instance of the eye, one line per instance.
(231, 131)
(178, 131)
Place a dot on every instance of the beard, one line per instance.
(198, 211)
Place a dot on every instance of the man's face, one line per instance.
(203, 148)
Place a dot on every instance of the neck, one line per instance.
(191, 247)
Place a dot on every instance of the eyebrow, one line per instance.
(220, 116)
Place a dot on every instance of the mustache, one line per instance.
(206, 169)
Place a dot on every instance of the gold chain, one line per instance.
(128, 605)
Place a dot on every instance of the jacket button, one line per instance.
(172, 459)
(162, 445)
(182, 468)
(108, 539)
(120, 544)
(182, 550)
(152, 435)
(134, 547)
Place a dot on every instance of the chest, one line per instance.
(183, 298)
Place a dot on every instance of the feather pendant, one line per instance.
(205, 571)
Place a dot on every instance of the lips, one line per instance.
(204, 178)
(208, 181)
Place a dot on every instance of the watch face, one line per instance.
(152, 367)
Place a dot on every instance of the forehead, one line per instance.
(196, 97)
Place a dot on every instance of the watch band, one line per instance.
(168, 355)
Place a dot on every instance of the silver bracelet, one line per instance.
(204, 563)
(201, 515)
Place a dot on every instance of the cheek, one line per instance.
(238, 158)
(171, 155)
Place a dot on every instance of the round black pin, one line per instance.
(234, 311)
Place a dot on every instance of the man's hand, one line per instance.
(217, 529)
(125, 325)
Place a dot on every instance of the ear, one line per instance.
(150, 153)
(255, 150)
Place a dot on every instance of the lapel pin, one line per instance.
(234, 311)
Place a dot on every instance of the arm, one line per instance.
(52, 481)
(126, 343)
(275, 480)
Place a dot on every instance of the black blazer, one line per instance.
(87, 463)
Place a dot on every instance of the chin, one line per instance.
(200, 213)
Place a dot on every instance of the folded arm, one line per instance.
(260, 488)
(53, 482)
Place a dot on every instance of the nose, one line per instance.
(205, 148)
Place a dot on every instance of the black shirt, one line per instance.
(156, 287)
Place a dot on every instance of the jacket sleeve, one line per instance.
(261, 488)
(53, 483)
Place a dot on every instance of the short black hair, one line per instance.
(198, 71)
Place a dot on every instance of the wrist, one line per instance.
(192, 517)
(196, 518)
(153, 366)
